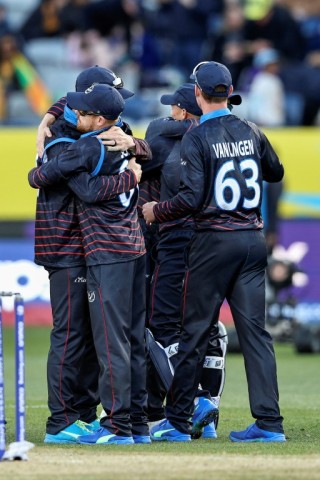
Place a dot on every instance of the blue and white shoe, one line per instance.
(104, 437)
(205, 412)
(93, 426)
(255, 434)
(141, 439)
(164, 431)
(69, 434)
(209, 431)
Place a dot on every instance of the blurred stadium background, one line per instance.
(153, 45)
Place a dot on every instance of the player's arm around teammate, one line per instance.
(119, 142)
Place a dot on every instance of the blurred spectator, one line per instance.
(266, 108)
(190, 26)
(17, 74)
(88, 48)
(73, 16)
(227, 40)
(102, 35)
(308, 16)
(269, 25)
(4, 23)
(44, 20)
(176, 31)
(105, 15)
(266, 96)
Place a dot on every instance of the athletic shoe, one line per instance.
(93, 426)
(205, 412)
(164, 431)
(68, 434)
(104, 437)
(102, 414)
(255, 434)
(216, 401)
(155, 422)
(141, 438)
(209, 431)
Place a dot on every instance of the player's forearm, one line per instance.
(47, 120)
(113, 185)
(178, 207)
(57, 108)
(141, 149)
(101, 188)
(45, 175)
(176, 128)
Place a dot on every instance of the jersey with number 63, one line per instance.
(223, 164)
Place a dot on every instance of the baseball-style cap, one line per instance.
(100, 99)
(209, 75)
(184, 97)
(102, 75)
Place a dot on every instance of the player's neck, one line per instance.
(212, 107)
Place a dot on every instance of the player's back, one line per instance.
(110, 229)
(234, 155)
(57, 234)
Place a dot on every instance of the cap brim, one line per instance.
(125, 93)
(235, 99)
(76, 100)
(167, 100)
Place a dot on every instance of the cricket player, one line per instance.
(224, 162)
(164, 136)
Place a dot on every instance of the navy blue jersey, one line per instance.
(110, 229)
(164, 136)
(223, 163)
(58, 239)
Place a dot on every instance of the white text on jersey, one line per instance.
(233, 149)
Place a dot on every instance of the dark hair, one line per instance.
(212, 99)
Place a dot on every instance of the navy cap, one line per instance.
(209, 75)
(102, 75)
(101, 99)
(184, 97)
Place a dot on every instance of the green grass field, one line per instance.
(298, 458)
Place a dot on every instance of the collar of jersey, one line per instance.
(94, 132)
(215, 114)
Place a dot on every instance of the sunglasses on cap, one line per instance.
(118, 82)
(194, 73)
(196, 68)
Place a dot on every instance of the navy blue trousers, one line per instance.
(72, 367)
(226, 265)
